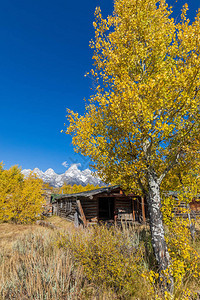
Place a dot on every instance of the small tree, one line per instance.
(144, 116)
(21, 199)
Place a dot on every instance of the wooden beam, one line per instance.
(115, 212)
(81, 212)
(138, 208)
(133, 206)
(113, 195)
(143, 210)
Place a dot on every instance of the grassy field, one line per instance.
(32, 266)
(38, 262)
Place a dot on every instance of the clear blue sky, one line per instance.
(44, 55)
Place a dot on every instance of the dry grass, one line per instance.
(61, 223)
(10, 232)
(34, 266)
(36, 269)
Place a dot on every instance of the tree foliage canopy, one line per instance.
(142, 124)
(21, 199)
(145, 110)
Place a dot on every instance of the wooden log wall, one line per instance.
(140, 209)
(123, 208)
(194, 209)
(90, 208)
(66, 208)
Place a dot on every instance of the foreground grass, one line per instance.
(37, 270)
(40, 263)
(46, 264)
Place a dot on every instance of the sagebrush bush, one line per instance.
(36, 269)
(111, 258)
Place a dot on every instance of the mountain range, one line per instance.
(72, 176)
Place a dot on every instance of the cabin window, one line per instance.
(61, 204)
(106, 208)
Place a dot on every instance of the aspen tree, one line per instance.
(21, 199)
(144, 115)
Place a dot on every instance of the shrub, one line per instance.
(185, 260)
(111, 259)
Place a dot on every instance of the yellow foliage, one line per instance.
(21, 199)
(72, 189)
(110, 258)
(142, 122)
(148, 80)
(185, 261)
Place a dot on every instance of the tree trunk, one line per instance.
(157, 232)
(192, 227)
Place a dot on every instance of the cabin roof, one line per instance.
(108, 190)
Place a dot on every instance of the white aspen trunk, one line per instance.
(192, 227)
(157, 231)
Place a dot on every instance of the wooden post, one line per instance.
(81, 212)
(143, 210)
(115, 211)
(133, 206)
(57, 208)
(138, 209)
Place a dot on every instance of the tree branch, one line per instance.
(144, 191)
(168, 168)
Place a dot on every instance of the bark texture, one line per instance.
(157, 231)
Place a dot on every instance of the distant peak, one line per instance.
(36, 169)
(50, 171)
(74, 167)
(72, 176)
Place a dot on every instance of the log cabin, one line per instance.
(108, 204)
(182, 208)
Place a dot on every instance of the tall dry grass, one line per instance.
(36, 269)
(96, 263)
(47, 264)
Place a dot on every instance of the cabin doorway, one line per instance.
(106, 208)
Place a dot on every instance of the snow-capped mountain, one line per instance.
(72, 176)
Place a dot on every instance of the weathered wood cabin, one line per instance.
(195, 206)
(109, 204)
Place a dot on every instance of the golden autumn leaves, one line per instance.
(21, 199)
(146, 68)
(141, 126)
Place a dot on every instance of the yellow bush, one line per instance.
(110, 259)
(185, 261)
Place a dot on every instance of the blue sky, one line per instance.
(44, 55)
